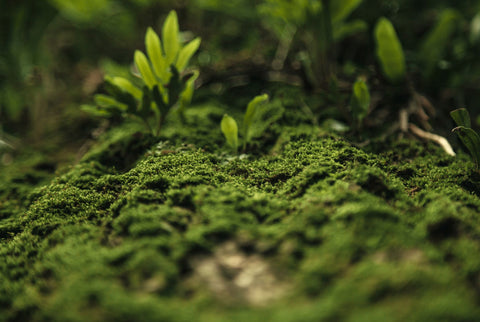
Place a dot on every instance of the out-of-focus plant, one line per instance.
(320, 24)
(163, 85)
(389, 51)
(22, 26)
(40, 39)
(433, 48)
(229, 126)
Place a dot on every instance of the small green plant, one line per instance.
(163, 85)
(467, 135)
(229, 126)
(230, 131)
(360, 102)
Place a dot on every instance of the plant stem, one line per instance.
(327, 67)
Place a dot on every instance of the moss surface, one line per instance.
(306, 227)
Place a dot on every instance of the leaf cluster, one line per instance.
(163, 85)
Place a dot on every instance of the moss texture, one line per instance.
(306, 227)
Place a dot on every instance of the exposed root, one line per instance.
(440, 140)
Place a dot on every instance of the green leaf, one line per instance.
(475, 29)
(143, 66)
(341, 9)
(108, 101)
(461, 117)
(360, 102)
(187, 94)
(389, 51)
(471, 140)
(230, 130)
(186, 53)
(95, 110)
(438, 39)
(171, 41)
(154, 51)
(120, 95)
(250, 114)
(127, 86)
(343, 30)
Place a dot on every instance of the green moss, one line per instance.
(127, 233)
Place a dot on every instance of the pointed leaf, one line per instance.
(250, 113)
(154, 51)
(389, 51)
(461, 117)
(187, 94)
(360, 102)
(171, 41)
(438, 39)
(120, 95)
(341, 9)
(95, 110)
(186, 53)
(471, 140)
(127, 86)
(346, 29)
(230, 130)
(143, 67)
(107, 101)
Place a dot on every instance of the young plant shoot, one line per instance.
(467, 135)
(164, 87)
(360, 102)
(229, 125)
(230, 131)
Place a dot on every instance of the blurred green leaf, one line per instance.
(171, 41)
(475, 29)
(250, 114)
(438, 39)
(187, 94)
(230, 130)
(120, 95)
(389, 51)
(127, 86)
(360, 101)
(154, 51)
(186, 53)
(348, 28)
(143, 66)
(82, 10)
(95, 110)
(341, 9)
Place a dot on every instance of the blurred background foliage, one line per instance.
(54, 54)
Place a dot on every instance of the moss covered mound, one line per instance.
(146, 229)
